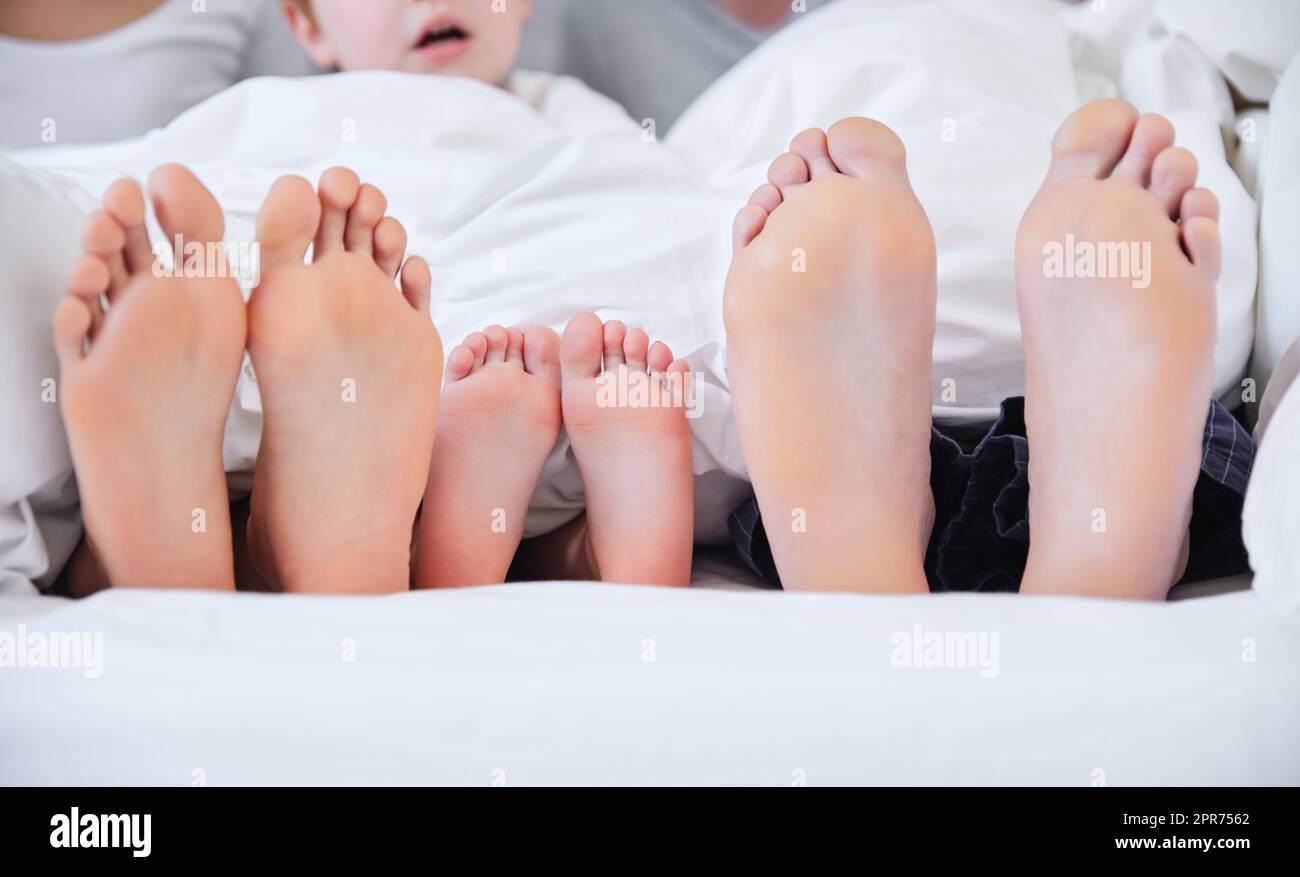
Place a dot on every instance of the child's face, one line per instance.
(474, 38)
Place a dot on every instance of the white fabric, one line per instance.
(977, 122)
(39, 525)
(1271, 515)
(1279, 230)
(573, 684)
(142, 75)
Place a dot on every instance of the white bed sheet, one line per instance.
(577, 684)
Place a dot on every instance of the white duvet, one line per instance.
(569, 684)
(536, 204)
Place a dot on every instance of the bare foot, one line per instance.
(499, 420)
(145, 387)
(1119, 367)
(633, 449)
(348, 371)
(830, 311)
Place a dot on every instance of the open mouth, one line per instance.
(442, 35)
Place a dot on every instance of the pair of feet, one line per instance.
(349, 372)
(835, 266)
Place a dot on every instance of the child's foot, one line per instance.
(348, 370)
(630, 436)
(498, 422)
(1118, 356)
(830, 310)
(145, 386)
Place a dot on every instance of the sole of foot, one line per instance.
(497, 425)
(1119, 349)
(349, 371)
(148, 365)
(624, 404)
(830, 313)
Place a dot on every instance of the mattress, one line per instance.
(570, 683)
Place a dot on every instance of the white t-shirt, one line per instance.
(128, 81)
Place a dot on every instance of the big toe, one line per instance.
(861, 146)
(581, 347)
(184, 206)
(287, 222)
(1090, 143)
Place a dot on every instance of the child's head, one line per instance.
(474, 38)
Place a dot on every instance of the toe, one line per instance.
(787, 172)
(337, 193)
(497, 341)
(125, 203)
(184, 207)
(104, 239)
(542, 353)
(615, 334)
(766, 196)
(749, 223)
(581, 346)
(460, 362)
(635, 348)
(72, 321)
(89, 282)
(515, 346)
(390, 245)
(1172, 175)
(1199, 203)
(417, 284)
(287, 222)
(1201, 241)
(1091, 141)
(1152, 136)
(861, 146)
(811, 146)
(359, 235)
(476, 343)
(659, 357)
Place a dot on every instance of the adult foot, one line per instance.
(1116, 264)
(830, 312)
(498, 422)
(630, 435)
(146, 382)
(348, 371)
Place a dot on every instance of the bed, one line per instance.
(592, 684)
(728, 682)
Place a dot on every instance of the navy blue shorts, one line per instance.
(980, 480)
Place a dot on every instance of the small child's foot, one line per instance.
(145, 400)
(498, 422)
(348, 370)
(830, 311)
(630, 436)
(1118, 356)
